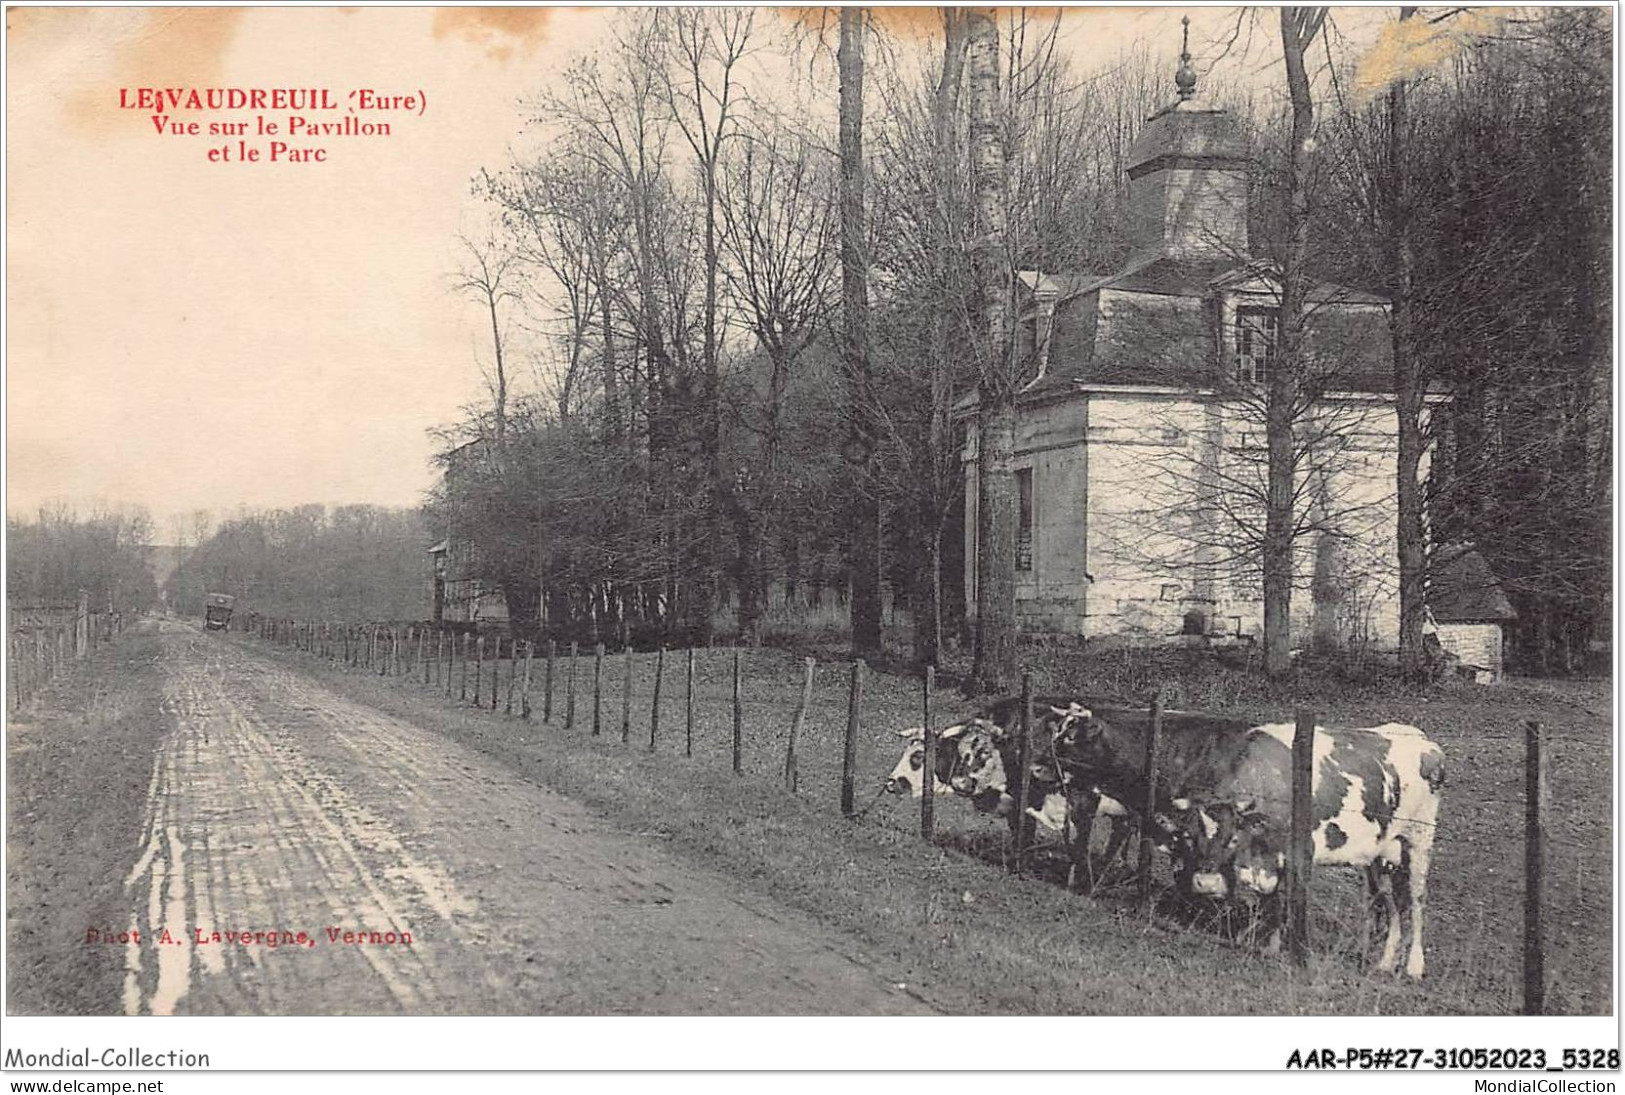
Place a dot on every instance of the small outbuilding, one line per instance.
(1470, 612)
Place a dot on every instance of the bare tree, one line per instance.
(709, 46)
(995, 647)
(779, 241)
(1299, 26)
(942, 461)
(489, 276)
(861, 444)
(1410, 385)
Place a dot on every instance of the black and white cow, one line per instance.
(974, 758)
(1375, 794)
(969, 764)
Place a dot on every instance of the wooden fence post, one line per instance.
(626, 692)
(496, 672)
(928, 763)
(547, 682)
(462, 676)
(1300, 851)
(688, 703)
(654, 708)
(739, 737)
(423, 657)
(570, 689)
(524, 693)
(1534, 805)
(1148, 807)
(479, 671)
(849, 750)
(597, 689)
(513, 674)
(1023, 770)
(81, 626)
(791, 776)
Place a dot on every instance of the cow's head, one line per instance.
(906, 778)
(987, 752)
(1061, 722)
(1080, 737)
(1260, 853)
(976, 752)
(1224, 849)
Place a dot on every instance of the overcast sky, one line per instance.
(186, 334)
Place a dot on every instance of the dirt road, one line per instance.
(276, 806)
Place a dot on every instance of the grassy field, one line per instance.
(968, 937)
(78, 762)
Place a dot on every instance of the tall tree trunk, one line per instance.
(994, 668)
(756, 516)
(1298, 29)
(1408, 386)
(702, 598)
(864, 541)
(501, 402)
(939, 481)
(611, 377)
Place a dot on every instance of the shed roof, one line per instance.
(1463, 589)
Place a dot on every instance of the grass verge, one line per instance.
(958, 931)
(78, 766)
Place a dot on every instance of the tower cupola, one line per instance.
(1188, 174)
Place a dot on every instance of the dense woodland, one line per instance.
(746, 264)
(55, 554)
(743, 313)
(348, 564)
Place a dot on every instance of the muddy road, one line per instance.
(305, 854)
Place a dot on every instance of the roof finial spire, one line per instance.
(1185, 77)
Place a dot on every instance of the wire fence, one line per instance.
(593, 691)
(43, 640)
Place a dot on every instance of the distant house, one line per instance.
(1133, 423)
(458, 596)
(1470, 611)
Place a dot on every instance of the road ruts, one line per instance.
(276, 805)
